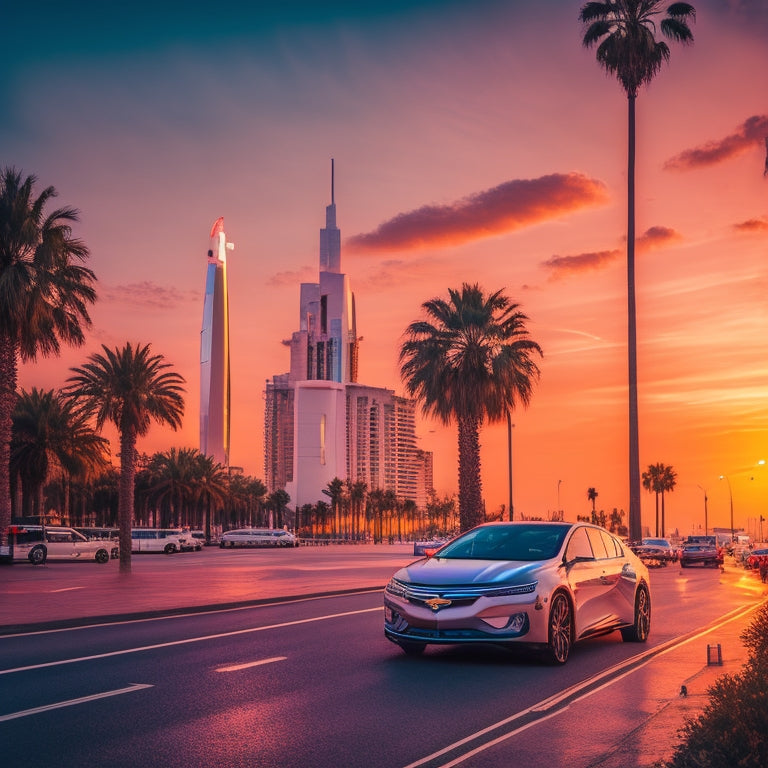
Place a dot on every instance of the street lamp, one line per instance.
(730, 496)
(558, 497)
(706, 531)
(509, 454)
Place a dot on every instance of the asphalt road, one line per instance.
(313, 683)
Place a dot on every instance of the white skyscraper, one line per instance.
(320, 424)
(214, 352)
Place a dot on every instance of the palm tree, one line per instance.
(44, 296)
(471, 362)
(210, 486)
(130, 388)
(667, 483)
(630, 51)
(47, 436)
(173, 478)
(592, 496)
(335, 491)
(652, 484)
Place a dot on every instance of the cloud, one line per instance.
(657, 237)
(561, 266)
(291, 277)
(505, 208)
(148, 294)
(752, 131)
(752, 225)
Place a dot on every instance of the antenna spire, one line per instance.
(333, 200)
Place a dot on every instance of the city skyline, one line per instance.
(478, 143)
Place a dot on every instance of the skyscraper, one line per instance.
(214, 351)
(320, 423)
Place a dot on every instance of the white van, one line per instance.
(38, 543)
(166, 540)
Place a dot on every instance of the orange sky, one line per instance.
(473, 142)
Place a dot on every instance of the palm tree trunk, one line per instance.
(470, 485)
(125, 499)
(7, 403)
(635, 523)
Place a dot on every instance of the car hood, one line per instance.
(436, 571)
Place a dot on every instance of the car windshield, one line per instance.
(507, 542)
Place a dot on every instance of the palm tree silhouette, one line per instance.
(44, 296)
(129, 388)
(471, 361)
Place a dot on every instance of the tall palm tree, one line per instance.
(44, 296)
(210, 486)
(592, 496)
(173, 479)
(628, 49)
(471, 361)
(129, 387)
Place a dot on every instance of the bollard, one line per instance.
(714, 655)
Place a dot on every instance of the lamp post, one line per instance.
(509, 454)
(558, 498)
(706, 531)
(730, 496)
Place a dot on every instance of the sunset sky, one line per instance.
(473, 142)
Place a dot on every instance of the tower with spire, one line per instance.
(320, 423)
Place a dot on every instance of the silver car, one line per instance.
(534, 585)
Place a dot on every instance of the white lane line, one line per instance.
(172, 643)
(65, 589)
(73, 702)
(236, 667)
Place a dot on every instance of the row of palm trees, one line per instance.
(660, 479)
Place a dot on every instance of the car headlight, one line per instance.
(396, 588)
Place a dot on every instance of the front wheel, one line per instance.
(560, 630)
(38, 555)
(640, 629)
(102, 556)
(169, 549)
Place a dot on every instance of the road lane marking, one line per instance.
(560, 702)
(73, 702)
(201, 610)
(172, 643)
(236, 667)
(65, 589)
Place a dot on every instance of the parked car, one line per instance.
(190, 542)
(655, 550)
(110, 535)
(258, 537)
(703, 553)
(166, 540)
(38, 543)
(535, 585)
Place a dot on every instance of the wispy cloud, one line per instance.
(752, 225)
(752, 131)
(291, 277)
(504, 208)
(657, 237)
(562, 266)
(148, 294)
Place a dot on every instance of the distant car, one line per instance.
(659, 550)
(110, 535)
(38, 544)
(428, 546)
(192, 541)
(704, 554)
(166, 540)
(258, 537)
(539, 585)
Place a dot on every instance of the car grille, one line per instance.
(458, 595)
